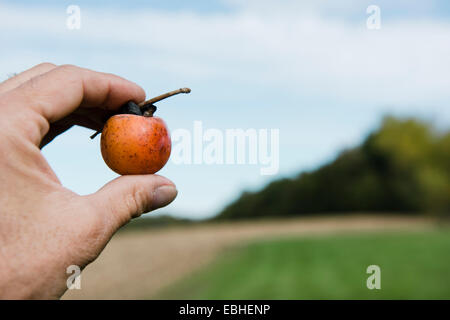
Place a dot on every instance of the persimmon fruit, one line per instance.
(134, 141)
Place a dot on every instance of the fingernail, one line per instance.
(163, 195)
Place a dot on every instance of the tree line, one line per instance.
(403, 166)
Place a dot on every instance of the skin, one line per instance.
(44, 227)
(134, 144)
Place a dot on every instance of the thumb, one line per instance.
(130, 196)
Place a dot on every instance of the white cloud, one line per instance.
(406, 62)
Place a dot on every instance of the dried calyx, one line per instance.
(146, 108)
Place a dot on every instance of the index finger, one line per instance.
(60, 91)
(24, 76)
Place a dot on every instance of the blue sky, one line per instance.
(310, 69)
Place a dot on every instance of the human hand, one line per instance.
(44, 227)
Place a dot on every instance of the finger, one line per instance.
(129, 196)
(55, 130)
(23, 77)
(92, 118)
(59, 92)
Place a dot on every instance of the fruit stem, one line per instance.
(164, 96)
(148, 108)
(95, 134)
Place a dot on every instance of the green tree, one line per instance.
(404, 166)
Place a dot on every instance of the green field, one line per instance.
(413, 266)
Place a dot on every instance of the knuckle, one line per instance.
(89, 233)
(95, 230)
(34, 132)
(68, 68)
(136, 202)
(46, 65)
(32, 84)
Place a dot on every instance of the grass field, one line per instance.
(140, 264)
(414, 265)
